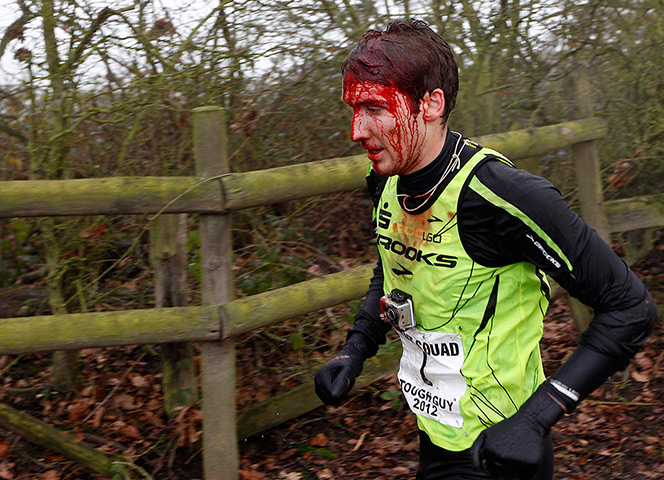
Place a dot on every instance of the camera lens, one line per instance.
(392, 314)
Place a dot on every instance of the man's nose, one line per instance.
(358, 130)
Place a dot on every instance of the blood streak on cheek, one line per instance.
(404, 137)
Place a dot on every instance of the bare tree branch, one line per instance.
(76, 54)
(15, 30)
(4, 127)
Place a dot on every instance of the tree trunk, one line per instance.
(168, 254)
(65, 363)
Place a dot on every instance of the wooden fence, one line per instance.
(220, 319)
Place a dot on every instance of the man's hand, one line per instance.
(511, 449)
(514, 448)
(337, 377)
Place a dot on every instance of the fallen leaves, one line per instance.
(640, 377)
(290, 476)
(48, 475)
(127, 402)
(187, 425)
(320, 440)
(250, 475)
(616, 433)
(359, 441)
(325, 474)
(6, 469)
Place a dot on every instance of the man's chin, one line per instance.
(378, 168)
(383, 168)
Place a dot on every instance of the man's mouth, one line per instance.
(372, 152)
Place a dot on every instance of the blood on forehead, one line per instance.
(357, 92)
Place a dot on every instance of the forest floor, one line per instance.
(614, 434)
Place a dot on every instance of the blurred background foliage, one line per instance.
(92, 90)
(88, 90)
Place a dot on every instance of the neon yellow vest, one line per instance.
(473, 357)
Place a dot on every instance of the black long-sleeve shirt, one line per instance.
(586, 266)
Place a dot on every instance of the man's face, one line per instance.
(386, 127)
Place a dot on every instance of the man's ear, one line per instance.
(433, 105)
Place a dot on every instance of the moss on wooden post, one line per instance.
(108, 196)
(249, 313)
(220, 448)
(635, 213)
(302, 399)
(589, 183)
(104, 329)
(177, 324)
(168, 255)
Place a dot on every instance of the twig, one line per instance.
(655, 368)
(133, 467)
(635, 404)
(19, 392)
(297, 426)
(87, 417)
(104, 441)
(10, 365)
(359, 442)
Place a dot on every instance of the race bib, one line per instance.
(430, 375)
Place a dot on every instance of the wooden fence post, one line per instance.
(589, 184)
(587, 165)
(220, 446)
(168, 255)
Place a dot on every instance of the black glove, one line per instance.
(337, 377)
(514, 448)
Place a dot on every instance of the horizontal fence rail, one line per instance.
(179, 324)
(635, 213)
(106, 329)
(237, 191)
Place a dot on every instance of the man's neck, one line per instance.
(427, 176)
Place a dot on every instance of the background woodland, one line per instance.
(90, 90)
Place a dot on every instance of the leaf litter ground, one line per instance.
(614, 434)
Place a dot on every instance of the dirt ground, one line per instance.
(614, 434)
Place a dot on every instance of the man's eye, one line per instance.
(374, 110)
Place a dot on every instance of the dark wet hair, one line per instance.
(407, 55)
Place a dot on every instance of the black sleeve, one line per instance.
(367, 320)
(508, 215)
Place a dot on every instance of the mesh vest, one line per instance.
(473, 357)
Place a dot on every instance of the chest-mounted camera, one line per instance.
(397, 309)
